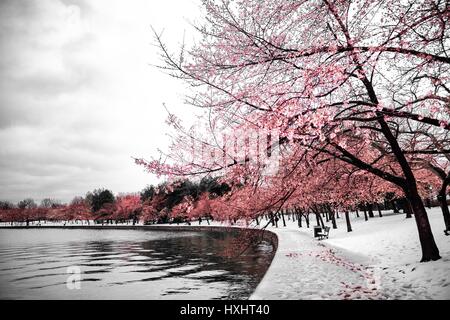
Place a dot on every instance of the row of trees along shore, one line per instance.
(179, 201)
(357, 91)
(185, 201)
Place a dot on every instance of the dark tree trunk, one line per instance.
(385, 204)
(428, 201)
(299, 220)
(369, 208)
(442, 198)
(409, 185)
(407, 208)
(272, 220)
(347, 220)
(307, 220)
(394, 207)
(365, 215)
(430, 250)
(379, 210)
(282, 217)
(331, 214)
(333, 220)
(320, 220)
(357, 213)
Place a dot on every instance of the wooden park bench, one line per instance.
(324, 233)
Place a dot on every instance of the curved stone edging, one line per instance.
(267, 235)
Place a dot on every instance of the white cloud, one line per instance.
(78, 96)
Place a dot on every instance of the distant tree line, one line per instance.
(154, 204)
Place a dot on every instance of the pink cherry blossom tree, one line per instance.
(337, 79)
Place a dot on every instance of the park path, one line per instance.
(304, 268)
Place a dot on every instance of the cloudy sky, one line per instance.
(78, 94)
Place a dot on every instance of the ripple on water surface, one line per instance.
(128, 264)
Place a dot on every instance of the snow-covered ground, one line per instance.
(378, 260)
